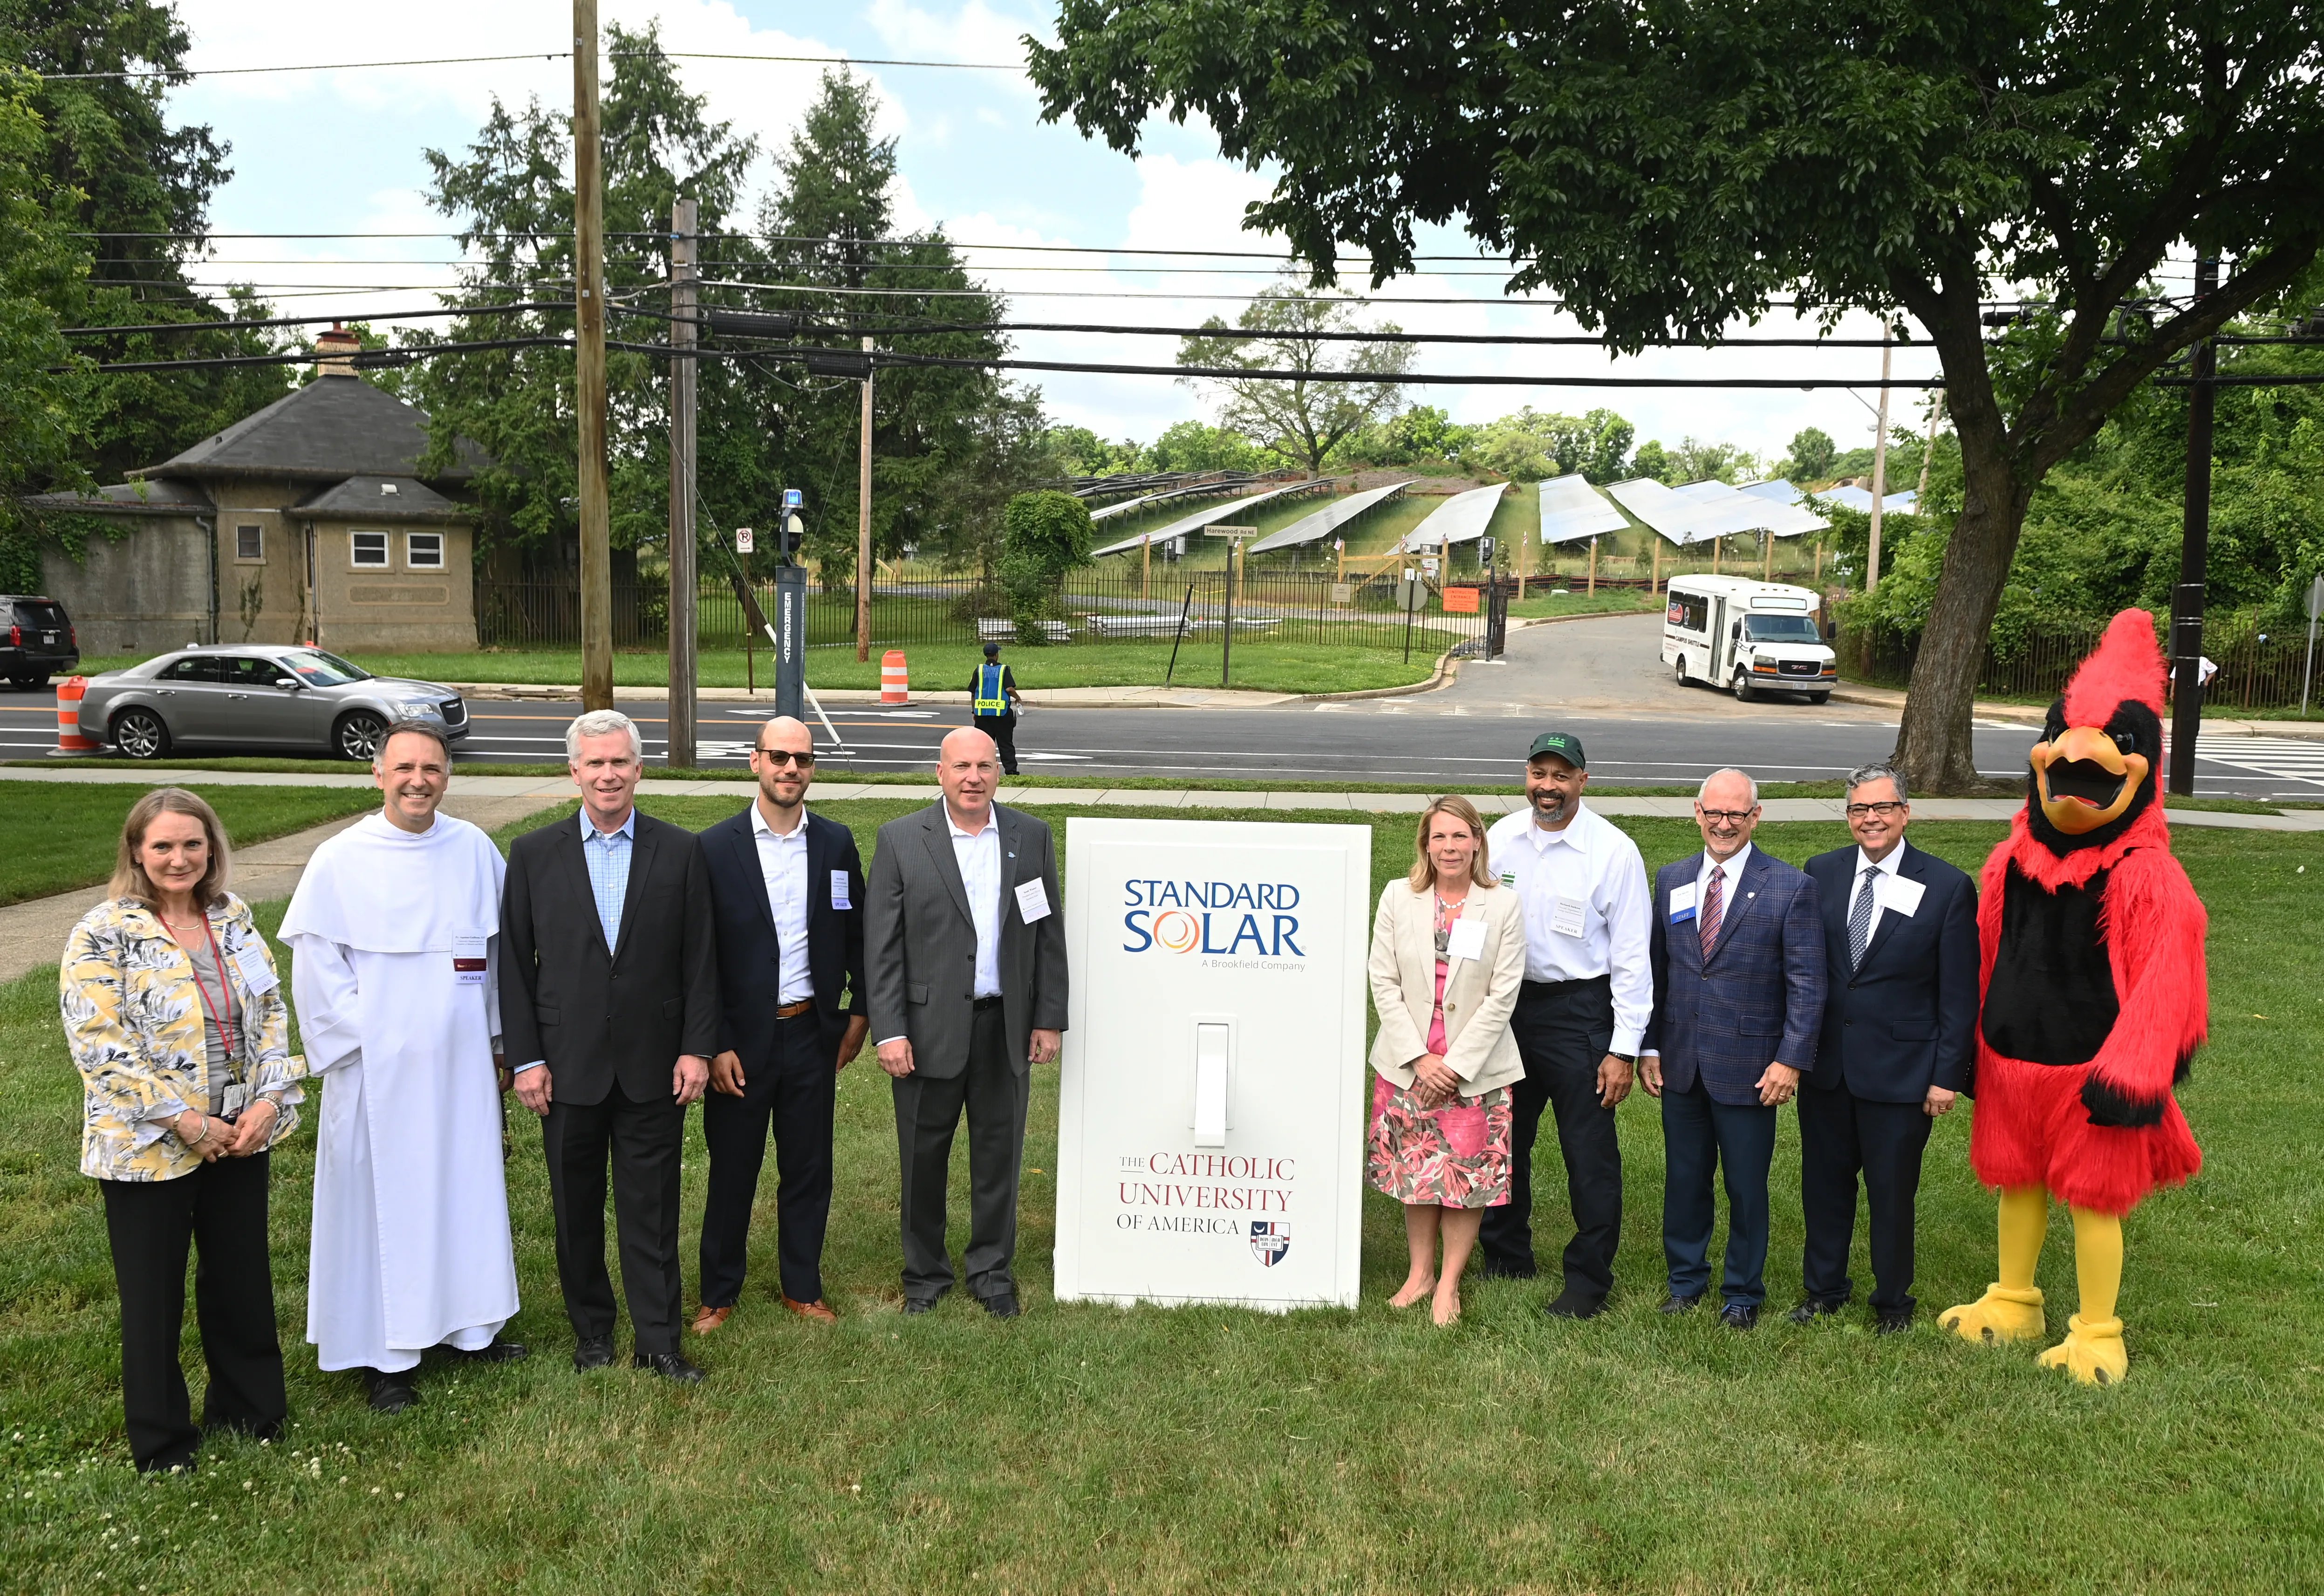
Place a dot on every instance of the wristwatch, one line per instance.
(1628, 1058)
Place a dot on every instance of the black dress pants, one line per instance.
(220, 1209)
(642, 1141)
(994, 1090)
(795, 1092)
(1002, 730)
(1841, 1135)
(1563, 1030)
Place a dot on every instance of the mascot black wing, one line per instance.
(2094, 1002)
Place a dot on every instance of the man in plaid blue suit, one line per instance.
(1737, 947)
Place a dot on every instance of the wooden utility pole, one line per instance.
(685, 587)
(1928, 451)
(863, 519)
(589, 368)
(1593, 569)
(1879, 472)
(1655, 582)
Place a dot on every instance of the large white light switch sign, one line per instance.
(1211, 1118)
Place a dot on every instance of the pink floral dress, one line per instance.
(1456, 1156)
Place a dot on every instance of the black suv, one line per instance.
(38, 641)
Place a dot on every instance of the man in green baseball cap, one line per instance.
(1587, 996)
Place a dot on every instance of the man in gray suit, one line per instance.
(967, 956)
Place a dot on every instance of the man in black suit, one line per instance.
(788, 890)
(1900, 1018)
(609, 986)
(966, 949)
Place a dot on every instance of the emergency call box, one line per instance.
(1211, 1111)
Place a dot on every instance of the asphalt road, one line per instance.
(1598, 679)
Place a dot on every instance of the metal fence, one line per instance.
(1093, 606)
(2257, 671)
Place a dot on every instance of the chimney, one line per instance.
(333, 352)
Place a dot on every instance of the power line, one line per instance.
(177, 74)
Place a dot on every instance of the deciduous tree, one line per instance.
(1299, 418)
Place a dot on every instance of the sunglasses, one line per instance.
(780, 757)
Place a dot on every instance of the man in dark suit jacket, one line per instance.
(1737, 954)
(1899, 1023)
(609, 987)
(787, 889)
(967, 956)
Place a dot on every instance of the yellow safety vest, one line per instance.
(990, 698)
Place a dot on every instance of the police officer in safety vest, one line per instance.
(992, 699)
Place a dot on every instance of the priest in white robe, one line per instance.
(393, 929)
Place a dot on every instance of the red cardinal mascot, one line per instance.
(2093, 976)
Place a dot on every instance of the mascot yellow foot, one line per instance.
(2003, 1313)
(2091, 1353)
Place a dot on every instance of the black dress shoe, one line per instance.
(1810, 1311)
(1739, 1315)
(1893, 1321)
(670, 1366)
(1002, 1304)
(1675, 1304)
(919, 1304)
(595, 1352)
(498, 1352)
(391, 1392)
(1569, 1304)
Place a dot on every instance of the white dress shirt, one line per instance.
(1734, 869)
(1592, 862)
(978, 853)
(782, 865)
(1887, 867)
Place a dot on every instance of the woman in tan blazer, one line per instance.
(1447, 955)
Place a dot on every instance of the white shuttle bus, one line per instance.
(1749, 636)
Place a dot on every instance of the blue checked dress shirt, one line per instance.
(607, 854)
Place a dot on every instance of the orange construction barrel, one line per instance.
(70, 739)
(895, 687)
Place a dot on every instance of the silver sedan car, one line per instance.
(260, 695)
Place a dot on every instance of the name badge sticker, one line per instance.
(257, 975)
(468, 964)
(839, 898)
(1566, 915)
(1033, 900)
(1681, 903)
(1466, 939)
(1896, 893)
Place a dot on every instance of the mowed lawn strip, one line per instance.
(64, 834)
(1086, 1448)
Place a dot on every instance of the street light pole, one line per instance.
(863, 519)
(2194, 551)
(1879, 472)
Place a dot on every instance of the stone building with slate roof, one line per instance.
(304, 522)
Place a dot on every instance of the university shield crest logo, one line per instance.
(1269, 1241)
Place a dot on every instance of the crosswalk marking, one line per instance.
(2294, 759)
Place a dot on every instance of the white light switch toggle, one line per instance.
(1211, 1048)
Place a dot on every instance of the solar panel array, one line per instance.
(1860, 499)
(1195, 522)
(1572, 510)
(1701, 510)
(1315, 527)
(1459, 520)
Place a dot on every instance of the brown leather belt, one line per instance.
(793, 1011)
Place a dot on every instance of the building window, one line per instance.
(370, 549)
(250, 543)
(424, 549)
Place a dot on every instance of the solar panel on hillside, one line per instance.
(1677, 520)
(1460, 519)
(1860, 499)
(1571, 509)
(1741, 512)
(1195, 522)
(1315, 527)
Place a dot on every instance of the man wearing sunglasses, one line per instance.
(786, 892)
(1900, 1016)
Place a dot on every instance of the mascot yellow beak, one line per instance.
(2084, 780)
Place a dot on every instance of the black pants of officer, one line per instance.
(1002, 730)
(1562, 1028)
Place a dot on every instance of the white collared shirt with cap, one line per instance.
(782, 866)
(1592, 862)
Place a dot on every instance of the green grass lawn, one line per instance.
(63, 834)
(1091, 1448)
(1608, 600)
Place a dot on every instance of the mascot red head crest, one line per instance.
(2092, 776)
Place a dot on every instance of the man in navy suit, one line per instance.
(1900, 928)
(1737, 948)
(787, 891)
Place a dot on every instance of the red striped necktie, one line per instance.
(1714, 906)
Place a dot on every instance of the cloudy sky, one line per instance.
(340, 152)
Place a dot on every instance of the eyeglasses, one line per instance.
(780, 757)
(1860, 811)
(1728, 816)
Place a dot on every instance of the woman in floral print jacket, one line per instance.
(175, 1016)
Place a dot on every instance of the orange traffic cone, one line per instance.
(70, 740)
